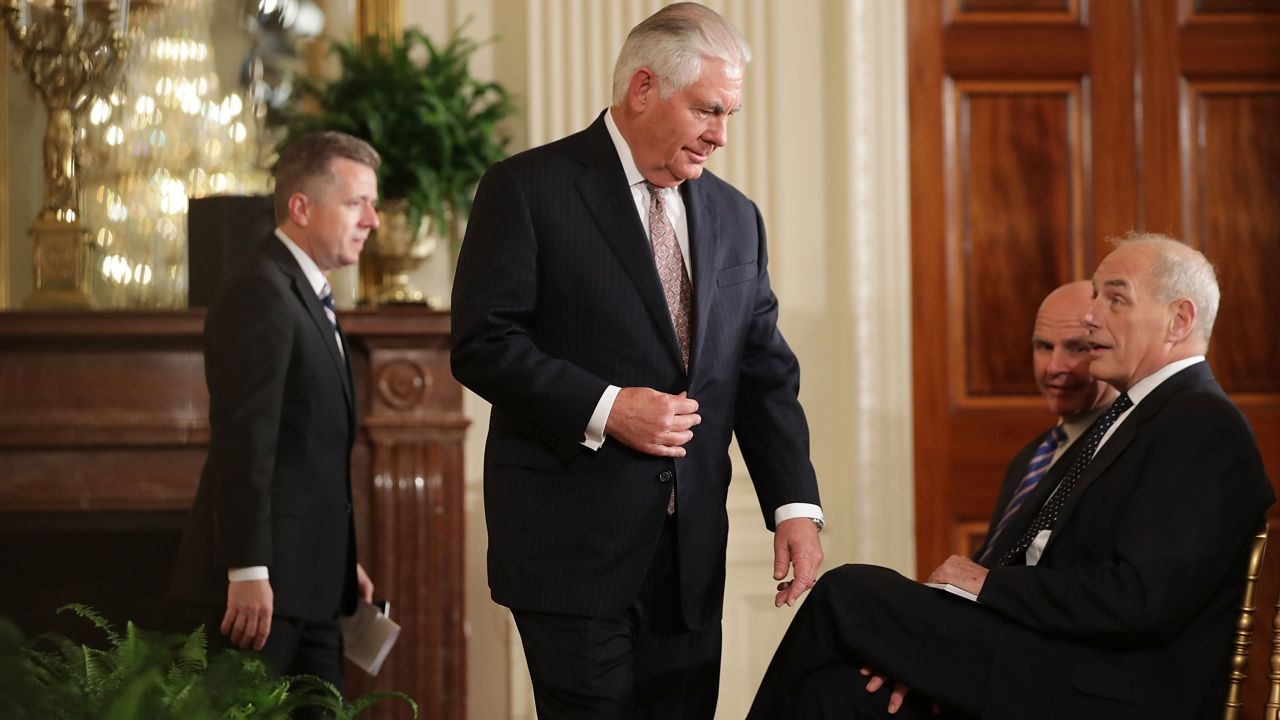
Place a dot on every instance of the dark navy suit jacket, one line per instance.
(556, 297)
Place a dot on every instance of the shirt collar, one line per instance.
(624, 150)
(315, 276)
(1146, 385)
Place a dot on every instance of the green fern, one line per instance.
(152, 676)
(417, 104)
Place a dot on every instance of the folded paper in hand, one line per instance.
(367, 637)
(954, 590)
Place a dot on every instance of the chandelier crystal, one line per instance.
(165, 135)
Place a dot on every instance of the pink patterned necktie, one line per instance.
(675, 281)
(670, 262)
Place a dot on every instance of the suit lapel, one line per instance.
(1128, 430)
(315, 310)
(603, 187)
(704, 231)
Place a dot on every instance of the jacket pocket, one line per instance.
(736, 274)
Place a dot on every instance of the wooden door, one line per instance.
(1039, 129)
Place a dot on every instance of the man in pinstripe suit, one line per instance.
(612, 302)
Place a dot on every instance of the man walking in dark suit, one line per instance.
(269, 553)
(612, 302)
(1118, 598)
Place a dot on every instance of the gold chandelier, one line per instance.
(66, 49)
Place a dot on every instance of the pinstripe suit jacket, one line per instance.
(556, 297)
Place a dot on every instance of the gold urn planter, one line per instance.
(393, 252)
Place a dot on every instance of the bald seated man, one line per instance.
(1060, 360)
(1117, 599)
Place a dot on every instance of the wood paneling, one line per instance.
(1208, 8)
(105, 416)
(1018, 174)
(1018, 125)
(1233, 174)
(1013, 10)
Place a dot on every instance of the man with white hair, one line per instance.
(612, 302)
(1118, 598)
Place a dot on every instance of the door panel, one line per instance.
(1039, 130)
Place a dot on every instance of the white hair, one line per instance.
(672, 43)
(1181, 271)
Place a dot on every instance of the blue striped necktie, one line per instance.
(330, 310)
(1039, 466)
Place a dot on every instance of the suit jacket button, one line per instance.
(348, 508)
(665, 476)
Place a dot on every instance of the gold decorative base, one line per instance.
(392, 253)
(60, 254)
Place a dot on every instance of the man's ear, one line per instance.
(1182, 320)
(299, 209)
(642, 89)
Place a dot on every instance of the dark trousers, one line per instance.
(642, 663)
(860, 615)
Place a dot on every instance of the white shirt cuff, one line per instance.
(795, 510)
(254, 572)
(593, 438)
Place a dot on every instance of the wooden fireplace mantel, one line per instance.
(107, 413)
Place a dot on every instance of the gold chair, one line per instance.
(1244, 640)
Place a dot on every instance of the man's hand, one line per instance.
(363, 584)
(795, 544)
(248, 617)
(897, 696)
(652, 422)
(961, 572)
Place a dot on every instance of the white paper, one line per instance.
(367, 637)
(954, 590)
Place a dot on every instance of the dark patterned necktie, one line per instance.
(331, 312)
(670, 262)
(1039, 466)
(1048, 514)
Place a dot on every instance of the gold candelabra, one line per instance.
(66, 49)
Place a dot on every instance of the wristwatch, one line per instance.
(818, 522)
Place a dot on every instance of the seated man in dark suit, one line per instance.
(1117, 600)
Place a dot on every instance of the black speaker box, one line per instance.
(221, 232)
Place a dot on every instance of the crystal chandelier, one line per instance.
(165, 135)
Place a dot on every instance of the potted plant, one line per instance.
(150, 675)
(433, 123)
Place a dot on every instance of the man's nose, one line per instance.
(1059, 362)
(718, 131)
(1089, 316)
